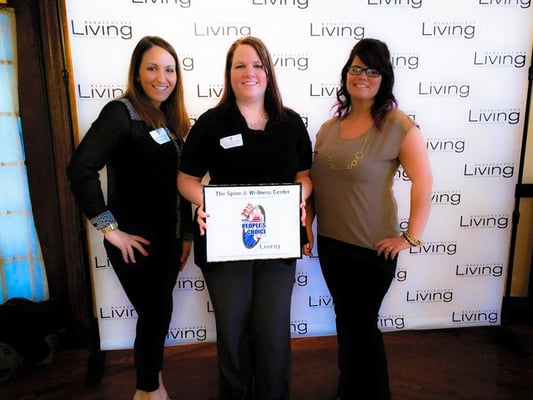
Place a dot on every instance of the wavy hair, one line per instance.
(375, 54)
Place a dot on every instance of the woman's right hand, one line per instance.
(201, 216)
(126, 243)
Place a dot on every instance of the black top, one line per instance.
(271, 156)
(141, 174)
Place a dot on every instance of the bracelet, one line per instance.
(109, 228)
(404, 238)
(412, 240)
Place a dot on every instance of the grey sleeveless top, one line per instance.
(353, 179)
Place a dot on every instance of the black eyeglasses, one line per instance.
(370, 72)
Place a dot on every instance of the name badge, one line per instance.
(160, 135)
(231, 141)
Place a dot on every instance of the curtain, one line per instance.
(22, 270)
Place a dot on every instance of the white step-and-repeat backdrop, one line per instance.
(461, 69)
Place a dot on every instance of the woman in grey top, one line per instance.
(356, 156)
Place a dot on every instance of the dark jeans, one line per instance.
(149, 284)
(358, 280)
(252, 305)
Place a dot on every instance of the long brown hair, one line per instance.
(172, 112)
(273, 102)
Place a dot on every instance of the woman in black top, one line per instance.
(248, 138)
(146, 225)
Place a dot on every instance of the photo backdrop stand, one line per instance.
(517, 308)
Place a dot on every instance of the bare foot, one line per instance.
(162, 388)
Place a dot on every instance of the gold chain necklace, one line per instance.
(358, 155)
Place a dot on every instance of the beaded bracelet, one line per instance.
(413, 241)
(109, 228)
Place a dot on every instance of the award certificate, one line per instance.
(248, 222)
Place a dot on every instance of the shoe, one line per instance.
(10, 361)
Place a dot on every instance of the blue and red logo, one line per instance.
(253, 225)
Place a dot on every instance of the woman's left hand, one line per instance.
(390, 247)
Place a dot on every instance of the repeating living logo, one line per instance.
(506, 3)
(289, 61)
(117, 312)
(187, 63)
(99, 264)
(396, 3)
(214, 30)
(447, 29)
(494, 116)
(253, 225)
(391, 321)
(301, 279)
(185, 284)
(337, 30)
(445, 145)
(99, 91)
(400, 274)
(474, 317)
(506, 60)
(210, 91)
(301, 4)
(434, 249)
(407, 60)
(494, 270)
(429, 296)
(102, 29)
(444, 89)
(449, 197)
(323, 90)
(401, 175)
(481, 221)
(179, 3)
(298, 328)
(489, 170)
(516, 59)
(187, 334)
(321, 301)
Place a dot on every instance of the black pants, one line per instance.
(358, 280)
(252, 305)
(149, 284)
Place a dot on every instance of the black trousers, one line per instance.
(252, 305)
(149, 284)
(358, 280)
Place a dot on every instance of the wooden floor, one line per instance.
(453, 364)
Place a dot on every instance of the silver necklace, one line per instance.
(260, 123)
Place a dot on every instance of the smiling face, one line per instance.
(248, 76)
(362, 87)
(157, 74)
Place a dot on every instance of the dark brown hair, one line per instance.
(375, 54)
